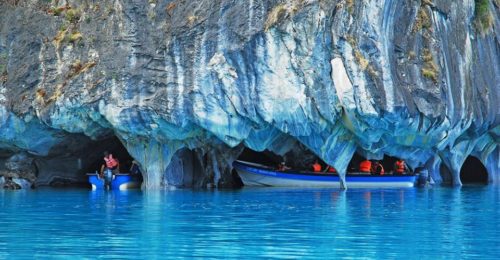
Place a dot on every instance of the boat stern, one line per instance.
(96, 182)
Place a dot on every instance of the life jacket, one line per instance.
(365, 166)
(331, 169)
(110, 161)
(316, 167)
(400, 166)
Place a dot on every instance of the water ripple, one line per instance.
(265, 223)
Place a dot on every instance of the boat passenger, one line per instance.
(330, 169)
(316, 166)
(282, 167)
(378, 168)
(134, 168)
(111, 163)
(365, 166)
(400, 167)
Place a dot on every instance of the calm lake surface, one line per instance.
(268, 223)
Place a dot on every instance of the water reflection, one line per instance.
(269, 223)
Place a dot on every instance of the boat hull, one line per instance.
(120, 182)
(253, 176)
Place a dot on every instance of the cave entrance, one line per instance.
(473, 172)
(93, 159)
(265, 157)
(298, 158)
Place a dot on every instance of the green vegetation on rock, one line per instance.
(482, 15)
(430, 69)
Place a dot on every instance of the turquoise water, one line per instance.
(268, 223)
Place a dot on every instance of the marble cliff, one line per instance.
(186, 85)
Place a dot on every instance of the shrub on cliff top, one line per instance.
(73, 16)
(278, 13)
(482, 15)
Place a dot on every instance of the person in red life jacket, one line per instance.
(110, 162)
(365, 166)
(330, 169)
(316, 166)
(400, 167)
(378, 168)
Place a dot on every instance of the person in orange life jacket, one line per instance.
(378, 168)
(316, 166)
(365, 166)
(400, 167)
(330, 169)
(110, 162)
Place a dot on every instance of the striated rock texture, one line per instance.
(194, 82)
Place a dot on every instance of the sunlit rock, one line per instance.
(407, 79)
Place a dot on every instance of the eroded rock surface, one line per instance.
(411, 79)
(20, 172)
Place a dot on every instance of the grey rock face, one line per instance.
(411, 79)
(20, 172)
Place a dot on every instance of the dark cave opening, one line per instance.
(299, 158)
(265, 157)
(85, 156)
(353, 165)
(95, 158)
(473, 172)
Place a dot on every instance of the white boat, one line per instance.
(253, 174)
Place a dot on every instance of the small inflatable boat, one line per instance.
(119, 181)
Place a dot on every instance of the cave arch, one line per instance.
(473, 171)
(446, 176)
(70, 161)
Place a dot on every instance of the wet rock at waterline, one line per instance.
(19, 172)
(412, 79)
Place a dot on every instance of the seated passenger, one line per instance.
(378, 168)
(283, 167)
(316, 166)
(111, 163)
(330, 169)
(365, 166)
(400, 167)
(134, 168)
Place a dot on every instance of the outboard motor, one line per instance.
(423, 176)
(108, 177)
